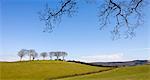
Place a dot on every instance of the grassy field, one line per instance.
(126, 73)
(42, 70)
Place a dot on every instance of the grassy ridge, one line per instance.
(126, 73)
(42, 70)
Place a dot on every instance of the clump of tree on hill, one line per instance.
(59, 55)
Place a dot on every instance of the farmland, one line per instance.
(43, 70)
(61, 70)
(141, 72)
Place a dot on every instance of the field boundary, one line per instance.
(74, 75)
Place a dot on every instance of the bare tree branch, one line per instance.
(125, 15)
(52, 17)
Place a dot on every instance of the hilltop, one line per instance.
(43, 70)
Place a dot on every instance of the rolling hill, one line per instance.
(43, 70)
(141, 72)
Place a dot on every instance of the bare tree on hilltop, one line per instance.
(58, 54)
(124, 16)
(22, 53)
(44, 55)
(64, 54)
(51, 54)
(32, 54)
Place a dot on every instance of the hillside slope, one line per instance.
(126, 73)
(42, 70)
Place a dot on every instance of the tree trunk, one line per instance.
(50, 57)
(30, 57)
(57, 57)
(20, 58)
(63, 58)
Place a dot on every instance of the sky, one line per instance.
(79, 36)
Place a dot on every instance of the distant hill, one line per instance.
(121, 64)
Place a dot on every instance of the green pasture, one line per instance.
(126, 73)
(42, 70)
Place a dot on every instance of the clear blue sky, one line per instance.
(79, 36)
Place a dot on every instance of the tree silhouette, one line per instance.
(51, 54)
(58, 54)
(44, 54)
(22, 53)
(126, 15)
(64, 54)
(32, 53)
